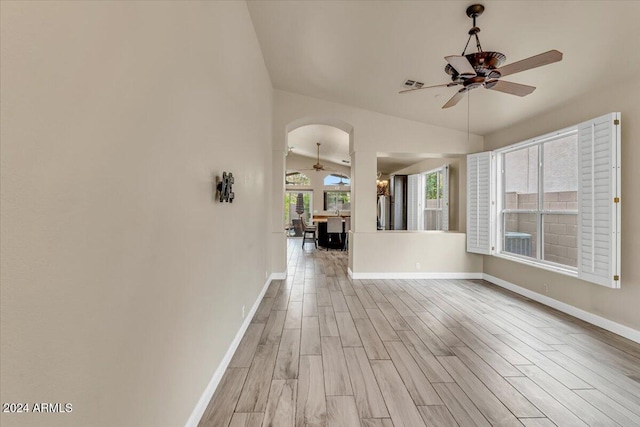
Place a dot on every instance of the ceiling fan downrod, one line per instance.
(473, 12)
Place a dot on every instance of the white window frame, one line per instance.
(540, 211)
(599, 206)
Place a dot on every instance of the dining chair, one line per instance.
(308, 232)
(334, 227)
(347, 228)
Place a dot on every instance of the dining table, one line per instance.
(324, 240)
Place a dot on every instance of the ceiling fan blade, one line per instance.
(455, 98)
(529, 63)
(461, 64)
(510, 87)
(428, 87)
(317, 170)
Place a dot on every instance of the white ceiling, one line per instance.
(388, 164)
(334, 143)
(359, 53)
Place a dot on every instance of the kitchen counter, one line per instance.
(323, 218)
(324, 240)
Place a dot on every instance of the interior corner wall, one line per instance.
(618, 305)
(123, 280)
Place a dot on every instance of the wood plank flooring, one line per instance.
(323, 350)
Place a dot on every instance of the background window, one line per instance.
(337, 179)
(337, 200)
(433, 199)
(290, 202)
(428, 200)
(297, 178)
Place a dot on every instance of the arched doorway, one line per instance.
(307, 157)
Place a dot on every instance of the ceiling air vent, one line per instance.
(412, 84)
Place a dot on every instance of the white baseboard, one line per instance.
(414, 275)
(198, 411)
(594, 319)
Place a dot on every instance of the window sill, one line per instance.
(556, 269)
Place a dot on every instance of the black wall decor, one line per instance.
(224, 187)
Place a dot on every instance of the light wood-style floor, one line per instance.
(323, 350)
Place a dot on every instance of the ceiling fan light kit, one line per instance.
(484, 68)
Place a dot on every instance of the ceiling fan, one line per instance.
(484, 69)
(318, 166)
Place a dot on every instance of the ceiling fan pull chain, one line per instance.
(468, 116)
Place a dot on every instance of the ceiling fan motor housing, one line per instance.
(484, 64)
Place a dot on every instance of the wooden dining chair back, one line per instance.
(308, 233)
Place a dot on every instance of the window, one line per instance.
(337, 179)
(428, 200)
(539, 203)
(297, 178)
(337, 200)
(291, 206)
(436, 200)
(552, 201)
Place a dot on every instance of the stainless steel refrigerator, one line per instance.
(384, 213)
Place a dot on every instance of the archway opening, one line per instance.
(321, 153)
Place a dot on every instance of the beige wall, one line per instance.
(122, 280)
(620, 305)
(413, 252)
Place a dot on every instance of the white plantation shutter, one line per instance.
(479, 190)
(421, 201)
(598, 190)
(413, 201)
(445, 198)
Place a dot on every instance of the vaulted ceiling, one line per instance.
(360, 52)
